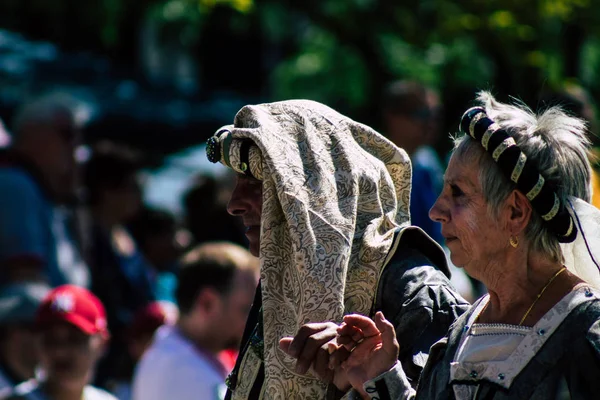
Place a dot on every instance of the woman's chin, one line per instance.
(457, 260)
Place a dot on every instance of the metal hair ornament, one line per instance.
(516, 167)
(239, 154)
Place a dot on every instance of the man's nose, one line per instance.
(237, 205)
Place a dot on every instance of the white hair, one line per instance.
(556, 143)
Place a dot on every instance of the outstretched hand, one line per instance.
(372, 345)
(312, 347)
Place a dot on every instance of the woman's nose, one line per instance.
(438, 211)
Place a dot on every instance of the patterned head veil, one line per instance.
(334, 193)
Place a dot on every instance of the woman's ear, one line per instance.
(519, 212)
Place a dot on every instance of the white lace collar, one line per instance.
(504, 372)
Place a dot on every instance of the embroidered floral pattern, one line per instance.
(334, 192)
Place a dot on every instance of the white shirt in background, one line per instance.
(173, 368)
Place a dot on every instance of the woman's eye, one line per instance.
(456, 192)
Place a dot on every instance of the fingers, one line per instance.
(309, 347)
(388, 333)
(327, 347)
(314, 345)
(284, 344)
(362, 323)
(304, 333)
(320, 364)
(337, 357)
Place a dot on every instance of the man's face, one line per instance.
(68, 354)
(246, 202)
(408, 130)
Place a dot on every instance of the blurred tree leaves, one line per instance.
(510, 46)
(344, 51)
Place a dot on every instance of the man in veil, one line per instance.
(325, 201)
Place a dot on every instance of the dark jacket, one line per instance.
(567, 366)
(414, 292)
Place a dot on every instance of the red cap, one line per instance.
(75, 305)
(153, 316)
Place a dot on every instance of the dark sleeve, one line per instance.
(583, 374)
(24, 231)
(421, 303)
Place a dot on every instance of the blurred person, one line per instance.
(410, 117)
(19, 347)
(139, 338)
(576, 100)
(324, 200)
(515, 212)
(162, 242)
(215, 292)
(38, 182)
(426, 154)
(121, 276)
(73, 333)
(206, 213)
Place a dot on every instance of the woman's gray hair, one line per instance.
(556, 143)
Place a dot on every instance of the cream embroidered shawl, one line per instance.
(334, 192)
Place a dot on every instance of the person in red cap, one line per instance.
(73, 332)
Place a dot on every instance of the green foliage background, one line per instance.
(342, 52)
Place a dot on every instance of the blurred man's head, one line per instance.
(216, 288)
(158, 236)
(47, 131)
(73, 332)
(146, 322)
(577, 101)
(19, 349)
(112, 180)
(408, 114)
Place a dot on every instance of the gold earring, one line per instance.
(514, 241)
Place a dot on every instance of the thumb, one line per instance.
(284, 344)
(388, 333)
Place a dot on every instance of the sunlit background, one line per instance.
(162, 76)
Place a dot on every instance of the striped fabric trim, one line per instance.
(518, 169)
(533, 193)
(472, 124)
(553, 211)
(488, 134)
(506, 143)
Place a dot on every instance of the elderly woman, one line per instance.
(513, 216)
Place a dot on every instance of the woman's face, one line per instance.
(472, 235)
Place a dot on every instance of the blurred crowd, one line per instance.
(76, 238)
(107, 281)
